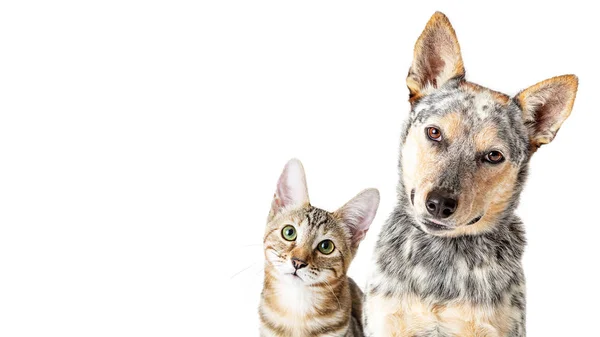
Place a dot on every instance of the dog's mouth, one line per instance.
(472, 222)
(438, 226)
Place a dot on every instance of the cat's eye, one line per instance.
(494, 157)
(326, 247)
(289, 233)
(433, 133)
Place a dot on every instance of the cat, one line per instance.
(307, 253)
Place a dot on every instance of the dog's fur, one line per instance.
(461, 276)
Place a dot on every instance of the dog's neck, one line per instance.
(480, 267)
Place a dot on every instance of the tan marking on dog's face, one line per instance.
(452, 125)
(498, 97)
(486, 138)
(485, 189)
(495, 190)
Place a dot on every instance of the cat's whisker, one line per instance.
(251, 245)
(243, 270)
(245, 248)
(331, 290)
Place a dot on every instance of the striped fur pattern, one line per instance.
(317, 299)
(460, 275)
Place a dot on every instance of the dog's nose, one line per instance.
(440, 204)
(298, 264)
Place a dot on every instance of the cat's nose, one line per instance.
(298, 264)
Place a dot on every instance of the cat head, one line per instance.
(308, 245)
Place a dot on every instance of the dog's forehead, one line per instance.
(473, 102)
(477, 110)
(477, 106)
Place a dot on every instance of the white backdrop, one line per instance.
(140, 145)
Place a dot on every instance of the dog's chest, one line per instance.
(409, 316)
(470, 270)
(433, 287)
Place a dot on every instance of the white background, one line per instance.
(140, 144)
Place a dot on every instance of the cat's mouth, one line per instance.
(295, 276)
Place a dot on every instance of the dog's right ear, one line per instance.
(437, 58)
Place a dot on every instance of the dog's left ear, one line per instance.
(545, 107)
(437, 58)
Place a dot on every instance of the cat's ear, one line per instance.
(291, 189)
(545, 107)
(359, 212)
(437, 58)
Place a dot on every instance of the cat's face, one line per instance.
(307, 245)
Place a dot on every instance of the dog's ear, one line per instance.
(545, 107)
(437, 58)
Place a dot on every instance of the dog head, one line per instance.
(465, 147)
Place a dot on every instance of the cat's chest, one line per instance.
(299, 312)
(295, 300)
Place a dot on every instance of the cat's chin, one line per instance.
(293, 278)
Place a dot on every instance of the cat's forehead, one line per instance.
(313, 219)
(318, 218)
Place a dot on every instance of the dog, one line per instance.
(448, 259)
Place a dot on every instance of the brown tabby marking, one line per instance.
(306, 290)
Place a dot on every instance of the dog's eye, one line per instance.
(494, 157)
(433, 133)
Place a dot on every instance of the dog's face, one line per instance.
(461, 157)
(466, 148)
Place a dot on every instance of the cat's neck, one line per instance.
(295, 306)
(294, 295)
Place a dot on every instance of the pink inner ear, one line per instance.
(359, 236)
(291, 187)
(277, 201)
(359, 224)
(358, 213)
